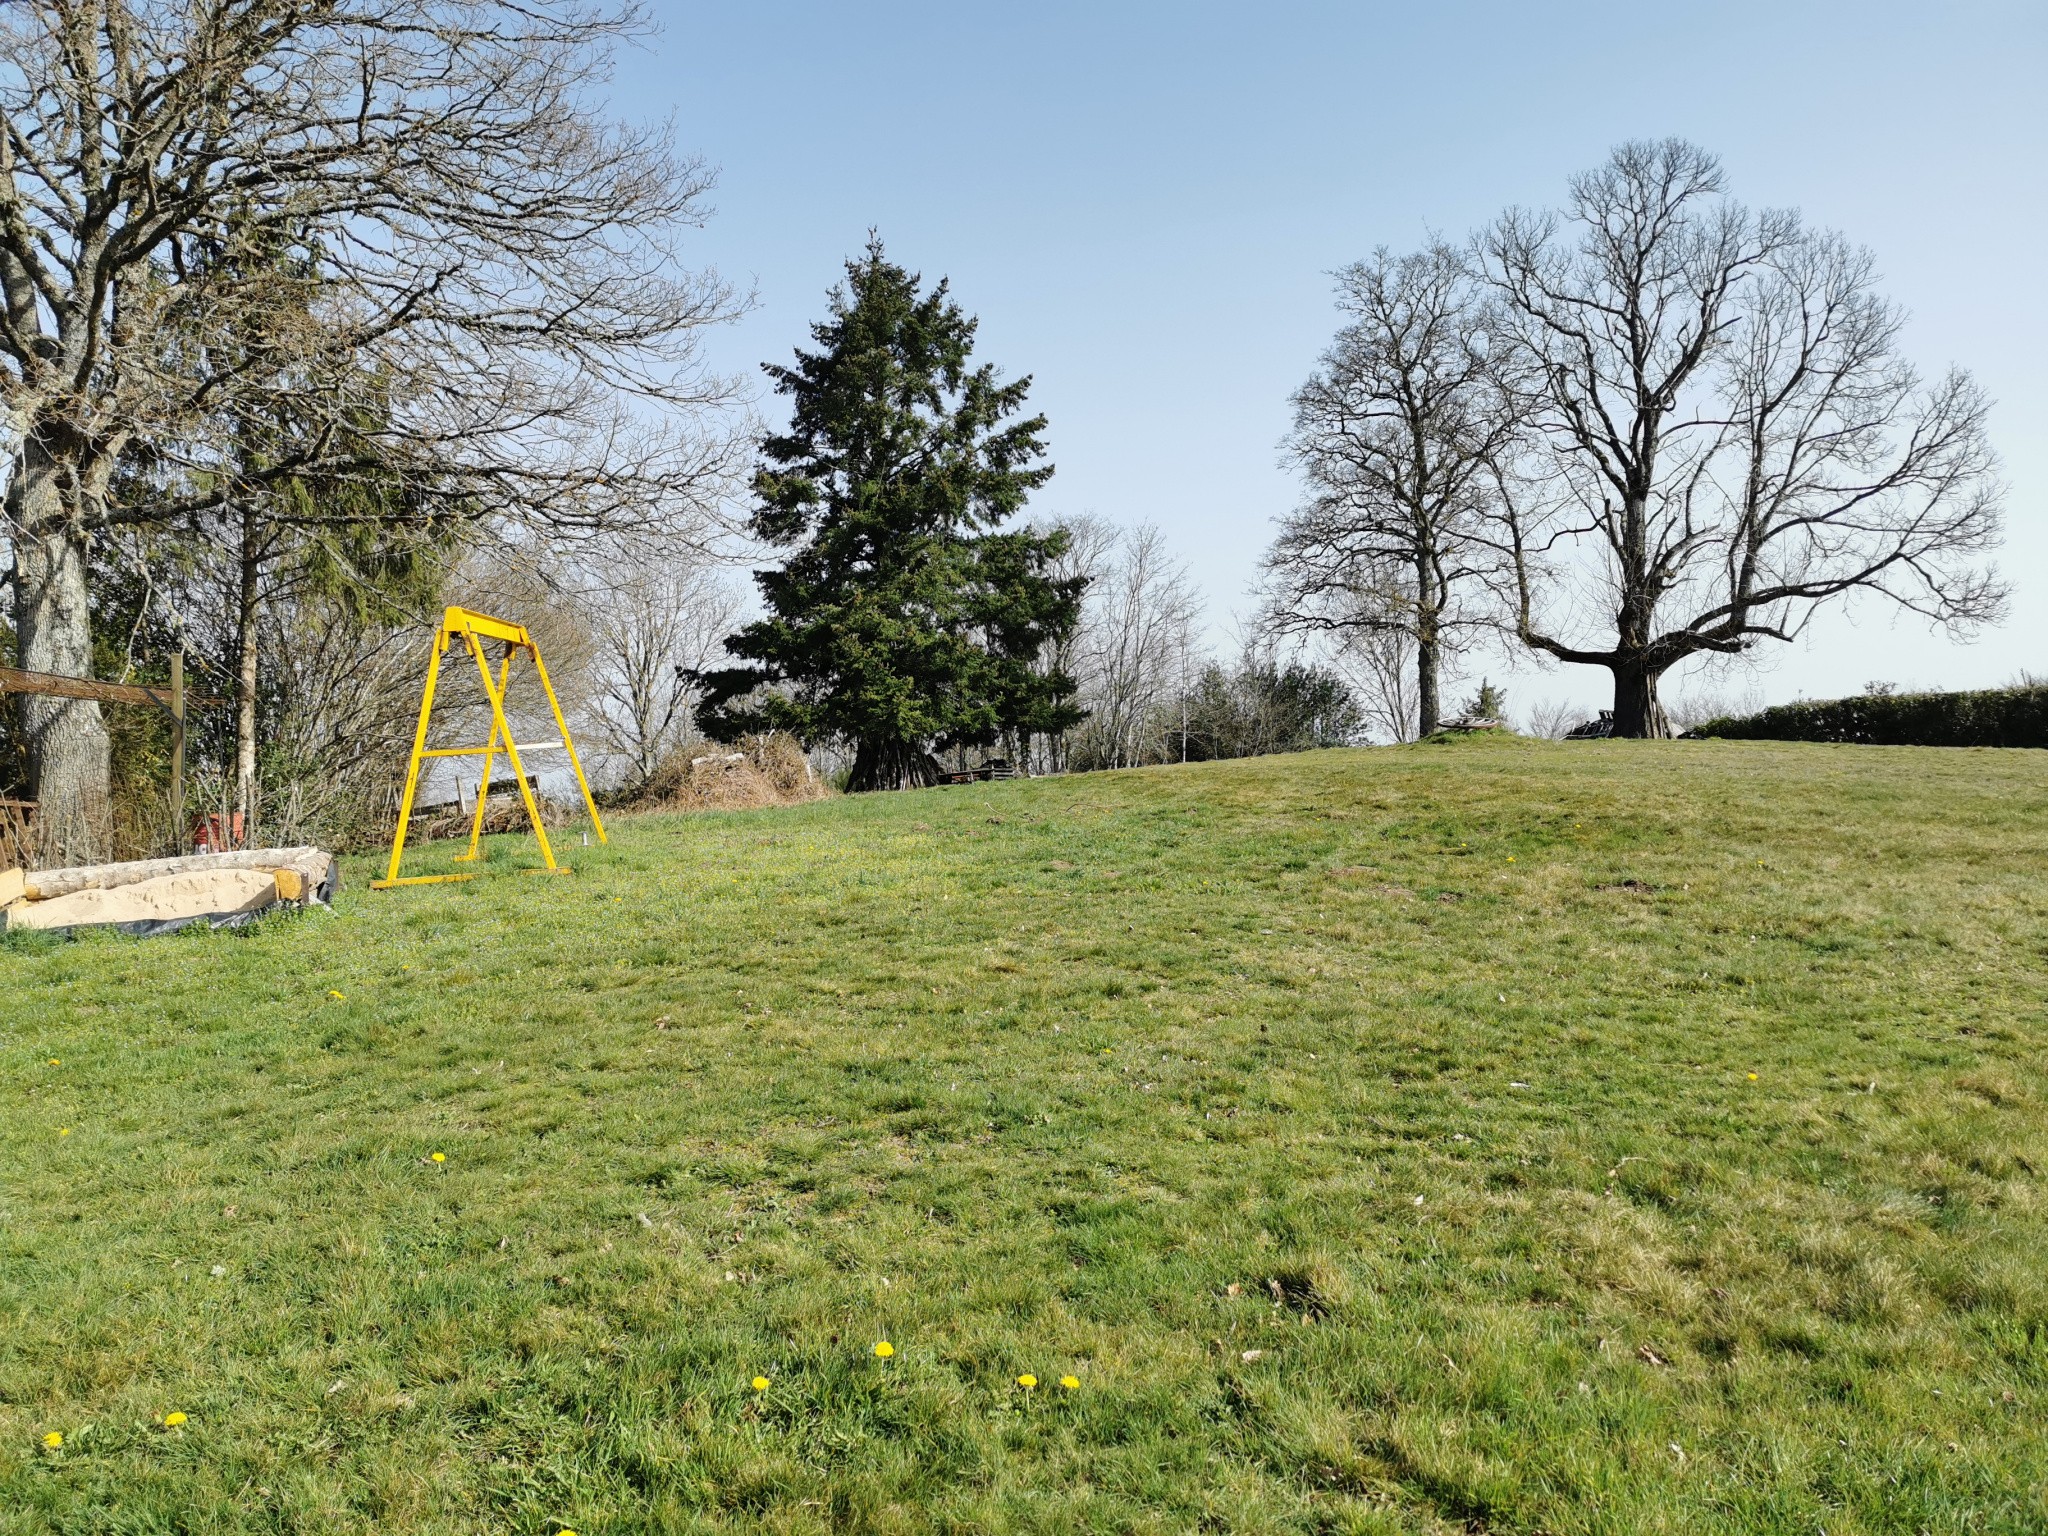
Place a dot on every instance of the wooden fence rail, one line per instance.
(173, 701)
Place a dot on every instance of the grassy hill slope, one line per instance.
(1505, 1136)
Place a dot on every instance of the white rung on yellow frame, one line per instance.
(474, 629)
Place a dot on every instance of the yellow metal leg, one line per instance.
(412, 772)
(575, 762)
(483, 788)
(474, 629)
(540, 833)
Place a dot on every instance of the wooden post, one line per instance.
(173, 701)
(178, 750)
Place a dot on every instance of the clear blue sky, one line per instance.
(1143, 202)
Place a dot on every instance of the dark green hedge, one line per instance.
(1995, 717)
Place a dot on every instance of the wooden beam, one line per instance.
(13, 680)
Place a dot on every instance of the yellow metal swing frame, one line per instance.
(474, 629)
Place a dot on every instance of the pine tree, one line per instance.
(901, 623)
(1489, 703)
(1022, 614)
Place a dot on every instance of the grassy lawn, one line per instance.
(1503, 1137)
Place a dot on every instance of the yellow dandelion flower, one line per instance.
(760, 1383)
(440, 1157)
(1752, 1077)
(1027, 1381)
(884, 1350)
(55, 1062)
(1511, 858)
(1071, 1383)
(173, 1420)
(63, 1130)
(53, 1439)
(336, 995)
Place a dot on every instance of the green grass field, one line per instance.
(1499, 1137)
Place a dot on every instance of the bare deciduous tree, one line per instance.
(657, 622)
(351, 697)
(1554, 719)
(482, 285)
(1137, 635)
(1090, 547)
(1378, 662)
(1726, 433)
(1396, 435)
(1703, 701)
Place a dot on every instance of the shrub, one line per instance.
(1992, 717)
(1263, 707)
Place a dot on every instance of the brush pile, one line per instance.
(759, 771)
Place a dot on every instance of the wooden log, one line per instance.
(43, 884)
(53, 685)
(13, 886)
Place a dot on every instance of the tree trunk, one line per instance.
(1428, 648)
(1427, 706)
(892, 765)
(245, 674)
(68, 759)
(1637, 712)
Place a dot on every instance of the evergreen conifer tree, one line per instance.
(902, 623)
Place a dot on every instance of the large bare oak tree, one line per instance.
(1724, 433)
(1397, 435)
(485, 268)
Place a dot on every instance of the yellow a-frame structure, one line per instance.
(473, 629)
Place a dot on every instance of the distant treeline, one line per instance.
(1991, 717)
